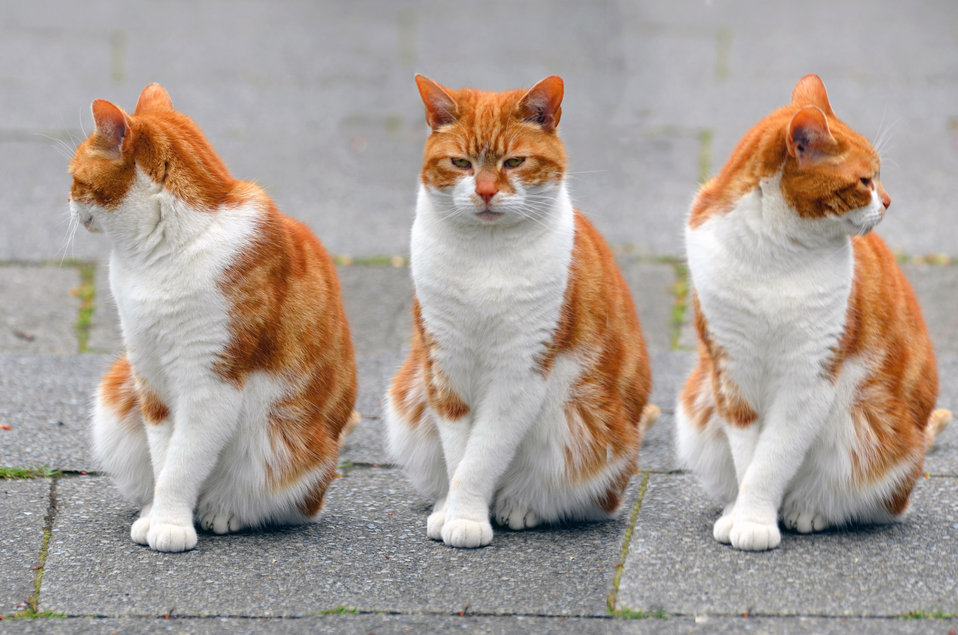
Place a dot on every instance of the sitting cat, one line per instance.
(813, 394)
(238, 377)
(527, 375)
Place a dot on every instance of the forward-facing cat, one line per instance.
(527, 377)
(238, 379)
(813, 394)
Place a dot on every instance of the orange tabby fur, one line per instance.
(474, 133)
(285, 316)
(826, 170)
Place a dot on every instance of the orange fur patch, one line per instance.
(287, 319)
(123, 394)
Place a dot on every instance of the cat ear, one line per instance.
(112, 127)
(810, 91)
(154, 97)
(542, 104)
(441, 108)
(808, 136)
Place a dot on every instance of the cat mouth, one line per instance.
(489, 215)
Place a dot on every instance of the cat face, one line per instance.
(827, 173)
(493, 158)
(121, 170)
(831, 172)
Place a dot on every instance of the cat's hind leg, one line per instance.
(120, 446)
(703, 447)
(413, 442)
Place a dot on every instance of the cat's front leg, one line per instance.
(204, 422)
(498, 428)
(793, 423)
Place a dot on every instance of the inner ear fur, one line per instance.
(112, 128)
(543, 103)
(441, 108)
(808, 136)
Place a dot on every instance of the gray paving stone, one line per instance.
(651, 286)
(106, 336)
(378, 302)
(369, 551)
(935, 287)
(45, 401)
(37, 311)
(870, 571)
(23, 509)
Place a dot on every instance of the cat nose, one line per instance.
(486, 189)
(883, 195)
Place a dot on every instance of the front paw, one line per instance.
(750, 535)
(171, 537)
(723, 528)
(466, 533)
(434, 524)
(140, 530)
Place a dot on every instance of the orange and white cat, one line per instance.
(813, 394)
(527, 375)
(238, 378)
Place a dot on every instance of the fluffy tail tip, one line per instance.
(351, 424)
(650, 413)
(937, 422)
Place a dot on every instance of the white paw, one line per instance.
(804, 521)
(466, 533)
(434, 524)
(723, 528)
(171, 538)
(749, 535)
(515, 517)
(140, 529)
(220, 522)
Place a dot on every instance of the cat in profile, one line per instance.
(812, 401)
(527, 378)
(238, 379)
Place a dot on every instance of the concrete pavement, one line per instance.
(315, 101)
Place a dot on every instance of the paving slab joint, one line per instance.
(85, 292)
(31, 609)
(620, 566)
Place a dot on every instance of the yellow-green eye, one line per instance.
(461, 163)
(514, 162)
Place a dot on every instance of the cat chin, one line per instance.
(489, 216)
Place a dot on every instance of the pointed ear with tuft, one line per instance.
(810, 91)
(808, 136)
(112, 127)
(441, 108)
(542, 104)
(154, 97)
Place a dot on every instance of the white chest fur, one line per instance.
(773, 288)
(490, 295)
(174, 315)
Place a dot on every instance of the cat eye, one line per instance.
(461, 163)
(866, 181)
(513, 162)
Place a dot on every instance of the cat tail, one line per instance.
(650, 413)
(937, 422)
(349, 427)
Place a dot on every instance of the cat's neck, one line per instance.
(764, 231)
(152, 226)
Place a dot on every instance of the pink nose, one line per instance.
(883, 195)
(486, 189)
